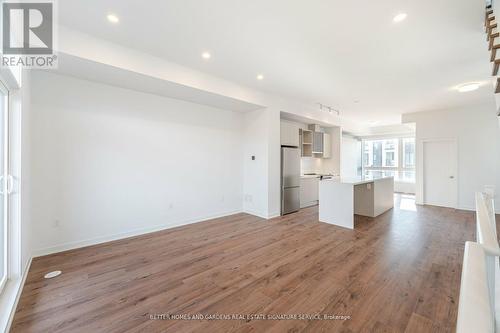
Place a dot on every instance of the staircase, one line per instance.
(493, 37)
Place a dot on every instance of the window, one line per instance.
(380, 153)
(409, 152)
(390, 157)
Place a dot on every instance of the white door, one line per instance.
(440, 173)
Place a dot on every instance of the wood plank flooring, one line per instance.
(399, 272)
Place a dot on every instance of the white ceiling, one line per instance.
(329, 51)
(89, 70)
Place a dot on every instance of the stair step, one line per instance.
(491, 39)
(488, 13)
(491, 30)
(494, 51)
(496, 66)
(489, 20)
(491, 34)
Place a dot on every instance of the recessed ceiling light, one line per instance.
(206, 55)
(400, 17)
(113, 18)
(260, 77)
(466, 87)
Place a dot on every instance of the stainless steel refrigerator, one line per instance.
(290, 180)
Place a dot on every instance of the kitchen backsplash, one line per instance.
(313, 165)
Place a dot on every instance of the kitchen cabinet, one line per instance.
(317, 143)
(306, 139)
(289, 134)
(309, 191)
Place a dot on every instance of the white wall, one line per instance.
(109, 162)
(255, 174)
(478, 135)
(274, 162)
(261, 178)
(351, 157)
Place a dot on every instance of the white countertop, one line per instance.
(316, 176)
(357, 180)
(309, 176)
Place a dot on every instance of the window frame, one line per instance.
(4, 91)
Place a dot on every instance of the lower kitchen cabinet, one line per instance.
(309, 191)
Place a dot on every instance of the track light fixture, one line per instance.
(330, 109)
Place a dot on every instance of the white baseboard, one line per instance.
(127, 234)
(466, 208)
(19, 286)
(266, 216)
(273, 215)
(255, 213)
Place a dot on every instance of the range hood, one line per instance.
(315, 128)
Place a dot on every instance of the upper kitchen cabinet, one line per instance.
(289, 134)
(306, 142)
(317, 143)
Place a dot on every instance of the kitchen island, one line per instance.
(340, 199)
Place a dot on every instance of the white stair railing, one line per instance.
(480, 273)
(475, 313)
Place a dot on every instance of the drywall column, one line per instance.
(274, 189)
(261, 164)
(255, 163)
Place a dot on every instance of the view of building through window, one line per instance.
(409, 153)
(390, 157)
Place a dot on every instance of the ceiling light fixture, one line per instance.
(400, 17)
(260, 77)
(206, 55)
(113, 18)
(467, 87)
(329, 108)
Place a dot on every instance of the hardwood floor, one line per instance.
(399, 272)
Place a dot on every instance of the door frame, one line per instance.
(3, 184)
(421, 200)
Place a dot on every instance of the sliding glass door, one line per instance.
(4, 185)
